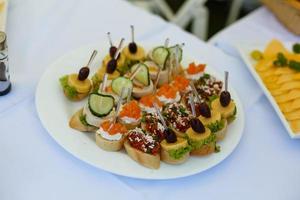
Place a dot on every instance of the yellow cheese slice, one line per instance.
(284, 70)
(288, 78)
(295, 114)
(271, 79)
(273, 48)
(273, 86)
(286, 107)
(277, 92)
(264, 65)
(295, 104)
(291, 95)
(295, 125)
(266, 74)
(289, 86)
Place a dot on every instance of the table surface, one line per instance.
(265, 164)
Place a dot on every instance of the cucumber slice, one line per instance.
(120, 82)
(143, 74)
(100, 104)
(172, 51)
(160, 56)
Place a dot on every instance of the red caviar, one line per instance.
(181, 83)
(132, 110)
(168, 91)
(116, 128)
(149, 100)
(194, 69)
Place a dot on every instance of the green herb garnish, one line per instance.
(179, 153)
(281, 60)
(295, 65)
(216, 126)
(70, 91)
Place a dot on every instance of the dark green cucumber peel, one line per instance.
(103, 96)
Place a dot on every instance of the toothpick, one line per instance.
(156, 80)
(109, 39)
(132, 33)
(167, 42)
(118, 108)
(135, 71)
(129, 91)
(160, 115)
(92, 58)
(195, 91)
(226, 81)
(119, 49)
(191, 101)
(103, 85)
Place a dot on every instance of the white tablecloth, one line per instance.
(265, 164)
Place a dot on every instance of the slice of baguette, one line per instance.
(145, 159)
(109, 145)
(165, 147)
(76, 124)
(205, 150)
(222, 133)
(131, 125)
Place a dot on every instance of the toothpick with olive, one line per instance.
(170, 136)
(85, 71)
(196, 124)
(225, 96)
(132, 45)
(113, 49)
(112, 64)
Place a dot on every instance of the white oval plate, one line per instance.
(55, 110)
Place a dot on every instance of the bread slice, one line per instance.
(166, 147)
(205, 150)
(222, 133)
(108, 145)
(76, 123)
(145, 159)
(131, 125)
(140, 92)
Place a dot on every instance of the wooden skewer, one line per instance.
(104, 82)
(160, 115)
(118, 108)
(156, 80)
(119, 48)
(109, 39)
(129, 94)
(132, 32)
(226, 81)
(92, 58)
(167, 42)
(191, 101)
(195, 91)
(135, 71)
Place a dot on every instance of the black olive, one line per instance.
(204, 110)
(225, 98)
(112, 51)
(170, 136)
(111, 66)
(197, 125)
(83, 73)
(132, 47)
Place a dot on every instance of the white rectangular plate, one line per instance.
(245, 51)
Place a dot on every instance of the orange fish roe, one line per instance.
(168, 91)
(194, 69)
(116, 128)
(108, 89)
(181, 83)
(132, 110)
(149, 100)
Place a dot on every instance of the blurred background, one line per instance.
(203, 18)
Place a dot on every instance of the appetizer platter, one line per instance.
(140, 110)
(276, 67)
